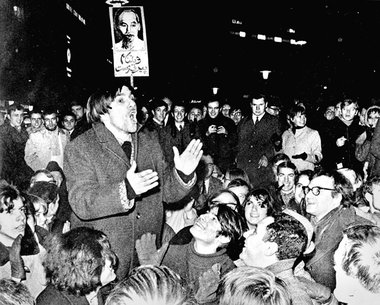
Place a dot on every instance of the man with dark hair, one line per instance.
(13, 137)
(36, 122)
(82, 123)
(195, 111)
(328, 201)
(218, 133)
(158, 109)
(48, 144)
(255, 142)
(69, 121)
(212, 233)
(117, 177)
(276, 245)
(178, 132)
(340, 139)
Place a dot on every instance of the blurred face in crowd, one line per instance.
(195, 114)
(16, 117)
(36, 120)
(179, 114)
(40, 208)
(226, 110)
(236, 116)
(168, 102)
(13, 223)
(57, 177)
(303, 181)
(160, 113)
(373, 117)
(349, 111)
(254, 211)
(129, 25)
(240, 191)
(362, 114)
(338, 110)
(209, 164)
(51, 121)
(69, 122)
(330, 113)
(213, 109)
(285, 177)
(122, 112)
(299, 120)
(258, 106)
(78, 111)
(273, 110)
(145, 114)
(226, 198)
(108, 273)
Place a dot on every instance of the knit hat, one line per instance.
(310, 246)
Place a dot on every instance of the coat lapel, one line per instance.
(109, 142)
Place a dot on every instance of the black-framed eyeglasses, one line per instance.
(315, 190)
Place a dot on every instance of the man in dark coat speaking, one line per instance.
(117, 177)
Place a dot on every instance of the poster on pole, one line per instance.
(129, 41)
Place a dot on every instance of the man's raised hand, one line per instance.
(188, 161)
(141, 182)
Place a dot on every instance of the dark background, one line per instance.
(191, 49)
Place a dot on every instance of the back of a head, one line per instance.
(252, 286)
(289, 234)
(75, 259)
(236, 172)
(151, 285)
(14, 293)
(46, 190)
(362, 257)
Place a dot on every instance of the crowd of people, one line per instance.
(122, 201)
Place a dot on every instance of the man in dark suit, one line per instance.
(13, 137)
(255, 142)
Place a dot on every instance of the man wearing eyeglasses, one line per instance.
(328, 201)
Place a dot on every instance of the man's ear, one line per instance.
(271, 248)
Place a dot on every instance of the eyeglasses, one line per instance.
(316, 190)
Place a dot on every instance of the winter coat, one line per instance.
(254, 141)
(96, 168)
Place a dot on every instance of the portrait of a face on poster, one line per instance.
(129, 41)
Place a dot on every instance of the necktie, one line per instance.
(255, 120)
(127, 147)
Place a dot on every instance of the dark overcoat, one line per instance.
(96, 166)
(254, 141)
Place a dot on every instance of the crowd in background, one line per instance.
(257, 203)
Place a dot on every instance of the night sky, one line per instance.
(191, 49)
